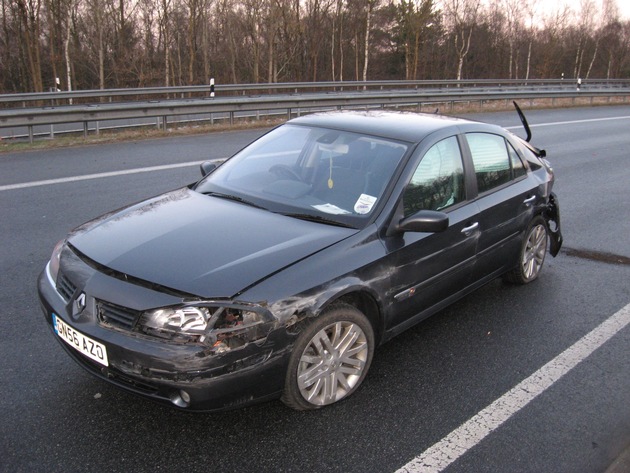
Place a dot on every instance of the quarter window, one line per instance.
(518, 168)
(438, 181)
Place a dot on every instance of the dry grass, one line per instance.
(119, 136)
(445, 108)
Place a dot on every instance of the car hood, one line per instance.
(201, 245)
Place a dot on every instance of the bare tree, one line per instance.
(195, 10)
(553, 33)
(587, 20)
(29, 14)
(71, 13)
(370, 4)
(514, 13)
(95, 14)
(611, 32)
(461, 17)
(337, 32)
(414, 18)
(531, 7)
(164, 12)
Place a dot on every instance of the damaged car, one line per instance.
(280, 271)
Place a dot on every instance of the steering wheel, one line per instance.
(282, 170)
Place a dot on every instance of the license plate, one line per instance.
(82, 343)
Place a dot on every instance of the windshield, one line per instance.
(322, 174)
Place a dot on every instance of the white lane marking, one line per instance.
(571, 122)
(458, 442)
(100, 175)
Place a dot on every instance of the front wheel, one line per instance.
(532, 255)
(330, 359)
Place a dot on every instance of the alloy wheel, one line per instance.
(332, 363)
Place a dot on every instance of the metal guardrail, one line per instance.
(163, 110)
(181, 92)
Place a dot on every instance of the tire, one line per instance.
(532, 254)
(330, 359)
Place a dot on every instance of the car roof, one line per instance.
(402, 126)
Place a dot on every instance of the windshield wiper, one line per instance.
(234, 198)
(319, 219)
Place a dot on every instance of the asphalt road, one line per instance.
(422, 387)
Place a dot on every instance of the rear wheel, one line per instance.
(330, 359)
(532, 254)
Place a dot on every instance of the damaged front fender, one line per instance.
(552, 216)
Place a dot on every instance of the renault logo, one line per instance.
(79, 303)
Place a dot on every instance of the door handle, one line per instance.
(530, 200)
(469, 229)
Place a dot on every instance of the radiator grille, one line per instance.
(116, 315)
(65, 287)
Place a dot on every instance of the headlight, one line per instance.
(53, 266)
(222, 327)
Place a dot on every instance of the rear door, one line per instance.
(506, 198)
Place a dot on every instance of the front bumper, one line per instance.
(184, 376)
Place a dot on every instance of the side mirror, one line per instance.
(207, 167)
(429, 221)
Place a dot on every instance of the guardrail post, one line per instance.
(85, 129)
(30, 134)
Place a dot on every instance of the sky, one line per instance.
(622, 5)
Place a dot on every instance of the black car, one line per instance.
(280, 271)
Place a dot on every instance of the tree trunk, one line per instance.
(191, 47)
(590, 66)
(205, 49)
(270, 59)
(341, 47)
(66, 50)
(101, 59)
(576, 69)
(416, 55)
(511, 54)
(368, 25)
(529, 58)
(52, 40)
(167, 62)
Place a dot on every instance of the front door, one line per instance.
(430, 268)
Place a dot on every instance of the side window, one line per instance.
(438, 181)
(491, 160)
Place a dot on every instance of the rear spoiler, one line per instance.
(538, 152)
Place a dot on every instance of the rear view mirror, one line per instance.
(429, 221)
(207, 167)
